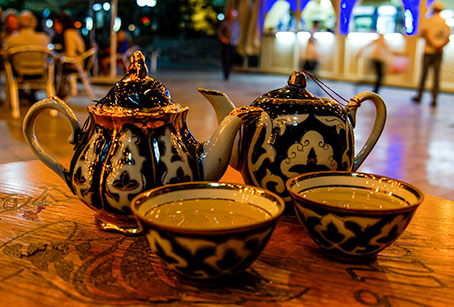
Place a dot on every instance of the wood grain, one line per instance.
(51, 254)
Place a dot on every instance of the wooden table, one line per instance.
(52, 254)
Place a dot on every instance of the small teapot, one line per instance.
(298, 133)
(135, 138)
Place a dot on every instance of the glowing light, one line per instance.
(394, 37)
(97, 7)
(450, 22)
(106, 6)
(220, 17)
(117, 24)
(145, 20)
(323, 35)
(285, 36)
(409, 22)
(46, 13)
(77, 24)
(143, 3)
(89, 23)
(49, 23)
(131, 27)
(303, 35)
(50, 46)
(84, 31)
(387, 10)
(446, 14)
(411, 16)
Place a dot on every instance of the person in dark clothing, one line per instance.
(228, 33)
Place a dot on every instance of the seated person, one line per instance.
(27, 36)
(72, 45)
(10, 24)
(123, 47)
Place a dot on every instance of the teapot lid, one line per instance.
(295, 88)
(136, 90)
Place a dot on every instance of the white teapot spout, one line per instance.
(217, 151)
(223, 106)
(220, 101)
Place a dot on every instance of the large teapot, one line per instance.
(297, 133)
(135, 139)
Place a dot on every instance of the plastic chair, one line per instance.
(82, 64)
(27, 67)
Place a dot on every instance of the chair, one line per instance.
(28, 67)
(82, 65)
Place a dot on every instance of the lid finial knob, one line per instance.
(138, 69)
(298, 79)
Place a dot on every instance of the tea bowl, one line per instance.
(353, 216)
(207, 230)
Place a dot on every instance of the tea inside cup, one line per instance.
(204, 213)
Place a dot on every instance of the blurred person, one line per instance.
(123, 46)
(71, 45)
(10, 20)
(436, 33)
(228, 33)
(311, 56)
(311, 60)
(378, 53)
(27, 36)
(70, 38)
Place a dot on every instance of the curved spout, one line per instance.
(217, 150)
(223, 106)
(221, 102)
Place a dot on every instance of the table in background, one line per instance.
(51, 253)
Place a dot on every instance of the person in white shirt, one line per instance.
(436, 33)
(73, 44)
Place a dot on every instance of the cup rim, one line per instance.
(364, 211)
(211, 185)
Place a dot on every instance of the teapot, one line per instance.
(297, 133)
(134, 139)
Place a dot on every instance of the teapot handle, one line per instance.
(379, 123)
(28, 129)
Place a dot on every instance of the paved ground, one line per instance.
(417, 144)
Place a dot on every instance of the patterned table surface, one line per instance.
(51, 254)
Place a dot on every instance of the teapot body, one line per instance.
(292, 137)
(119, 155)
(135, 138)
(299, 132)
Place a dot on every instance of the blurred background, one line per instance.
(273, 36)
